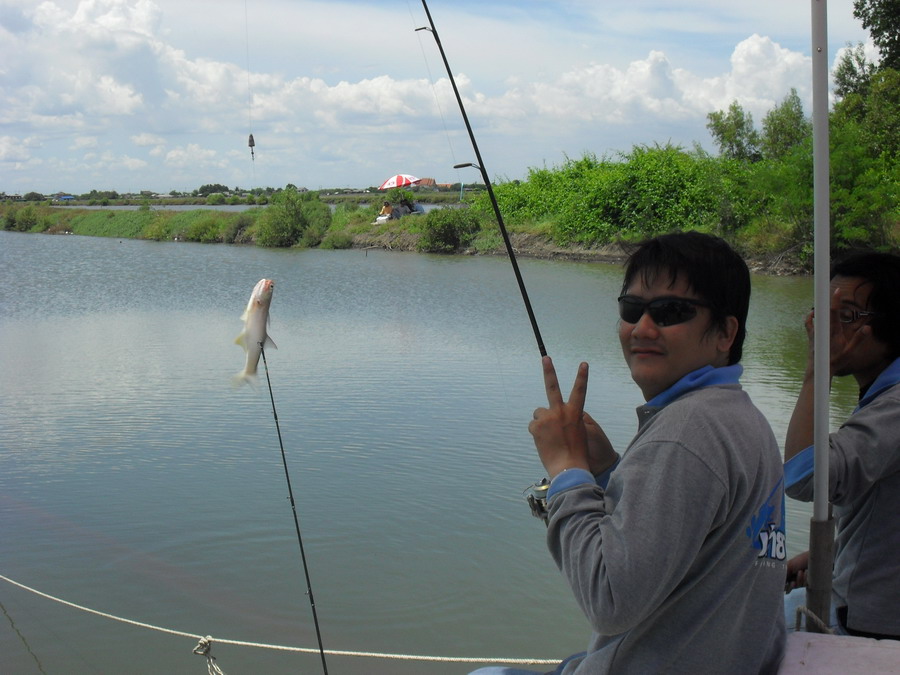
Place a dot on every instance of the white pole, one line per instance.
(822, 257)
(821, 527)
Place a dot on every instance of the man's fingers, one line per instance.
(579, 388)
(551, 383)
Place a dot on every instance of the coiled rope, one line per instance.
(206, 641)
(820, 625)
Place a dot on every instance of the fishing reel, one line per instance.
(536, 496)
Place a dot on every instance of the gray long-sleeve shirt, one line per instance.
(679, 564)
(864, 486)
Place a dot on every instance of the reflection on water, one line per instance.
(136, 480)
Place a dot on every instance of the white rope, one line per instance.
(206, 640)
(204, 648)
(811, 617)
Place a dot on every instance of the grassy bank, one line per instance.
(585, 209)
(199, 225)
(351, 226)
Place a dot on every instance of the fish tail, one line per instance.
(244, 377)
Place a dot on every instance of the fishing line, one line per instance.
(437, 100)
(487, 183)
(309, 591)
(250, 142)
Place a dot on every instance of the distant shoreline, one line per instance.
(542, 248)
(126, 224)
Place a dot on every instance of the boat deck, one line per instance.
(831, 654)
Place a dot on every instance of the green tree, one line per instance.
(284, 222)
(98, 195)
(863, 187)
(784, 127)
(883, 113)
(206, 190)
(733, 133)
(882, 19)
(853, 72)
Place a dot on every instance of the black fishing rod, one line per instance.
(309, 591)
(487, 183)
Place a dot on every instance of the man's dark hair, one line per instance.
(712, 269)
(882, 271)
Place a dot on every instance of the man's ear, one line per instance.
(727, 334)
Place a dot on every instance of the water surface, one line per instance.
(135, 480)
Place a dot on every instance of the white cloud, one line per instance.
(113, 98)
(81, 142)
(14, 149)
(145, 139)
(164, 90)
(131, 163)
(193, 155)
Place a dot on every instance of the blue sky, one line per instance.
(161, 95)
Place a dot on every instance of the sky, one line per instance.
(162, 95)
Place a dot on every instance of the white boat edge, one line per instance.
(832, 654)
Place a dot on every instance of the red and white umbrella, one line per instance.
(400, 180)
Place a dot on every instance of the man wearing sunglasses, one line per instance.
(864, 453)
(675, 551)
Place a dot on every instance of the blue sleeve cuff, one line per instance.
(568, 479)
(799, 467)
(603, 478)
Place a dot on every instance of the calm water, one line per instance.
(135, 480)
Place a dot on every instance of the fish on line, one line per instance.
(254, 338)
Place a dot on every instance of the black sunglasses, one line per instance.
(664, 311)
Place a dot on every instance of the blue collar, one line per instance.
(887, 379)
(707, 376)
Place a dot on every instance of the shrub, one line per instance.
(335, 240)
(26, 219)
(282, 223)
(312, 236)
(9, 219)
(205, 229)
(447, 230)
(317, 215)
(663, 189)
(236, 227)
(156, 230)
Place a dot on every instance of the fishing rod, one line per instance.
(309, 591)
(487, 183)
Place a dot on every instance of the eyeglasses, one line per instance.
(663, 311)
(847, 315)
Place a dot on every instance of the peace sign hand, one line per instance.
(559, 431)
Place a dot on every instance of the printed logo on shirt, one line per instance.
(766, 533)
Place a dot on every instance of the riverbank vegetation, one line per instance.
(756, 193)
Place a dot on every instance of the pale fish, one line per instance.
(254, 338)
